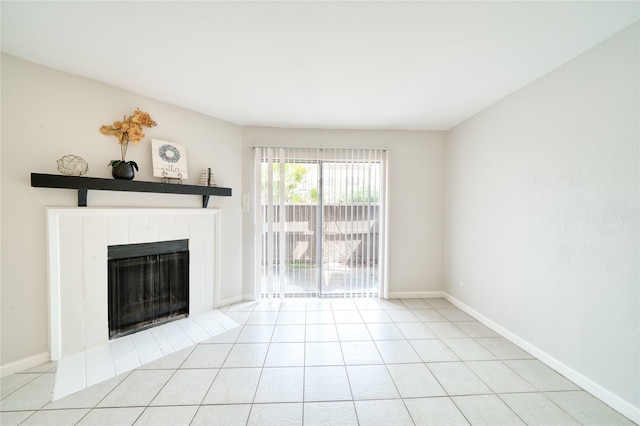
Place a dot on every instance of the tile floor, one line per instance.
(322, 362)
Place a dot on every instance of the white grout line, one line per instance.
(124, 355)
(146, 346)
(162, 341)
(99, 365)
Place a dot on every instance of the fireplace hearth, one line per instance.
(148, 285)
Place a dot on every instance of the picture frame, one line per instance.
(169, 159)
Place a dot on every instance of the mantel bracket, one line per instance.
(82, 197)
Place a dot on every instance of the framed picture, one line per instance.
(169, 159)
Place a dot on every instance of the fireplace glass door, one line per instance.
(148, 285)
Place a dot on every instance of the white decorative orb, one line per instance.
(72, 165)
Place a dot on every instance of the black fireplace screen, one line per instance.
(148, 285)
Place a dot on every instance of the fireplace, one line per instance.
(148, 285)
(78, 241)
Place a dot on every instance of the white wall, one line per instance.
(47, 114)
(542, 218)
(415, 204)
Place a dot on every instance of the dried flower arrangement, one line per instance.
(128, 130)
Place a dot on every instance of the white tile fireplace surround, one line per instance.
(77, 255)
(78, 241)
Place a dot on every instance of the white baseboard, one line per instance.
(24, 364)
(392, 295)
(416, 294)
(623, 407)
(230, 300)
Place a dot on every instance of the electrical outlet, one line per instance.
(461, 283)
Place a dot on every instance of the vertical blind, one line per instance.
(320, 222)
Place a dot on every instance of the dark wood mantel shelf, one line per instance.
(83, 184)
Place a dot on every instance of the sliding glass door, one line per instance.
(350, 228)
(320, 221)
(289, 228)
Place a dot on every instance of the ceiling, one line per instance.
(338, 65)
